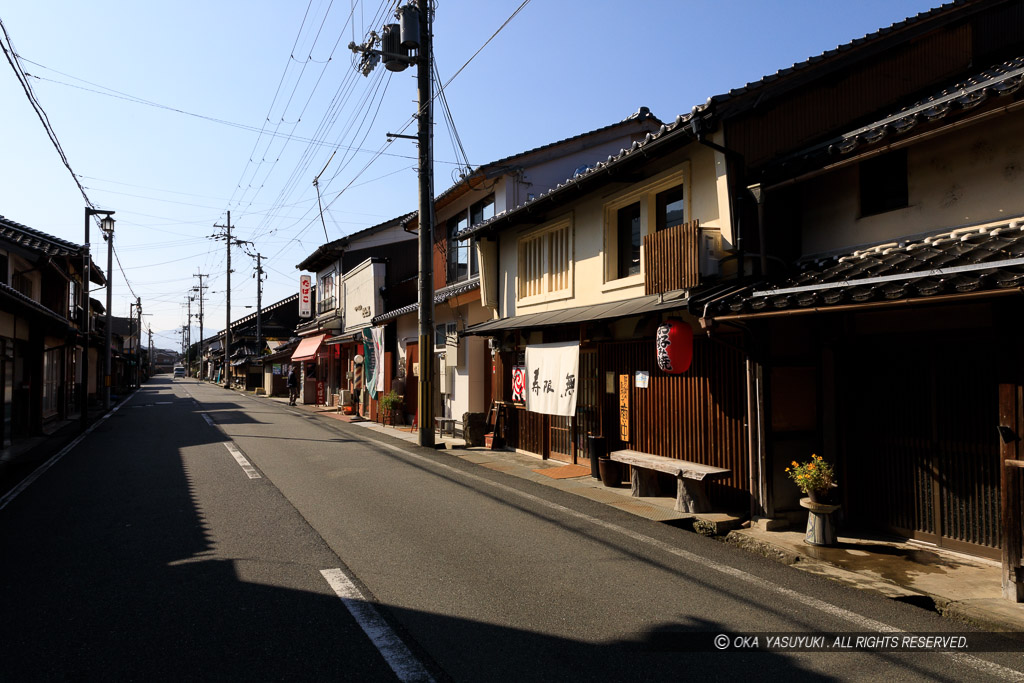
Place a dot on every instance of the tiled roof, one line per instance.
(326, 253)
(37, 241)
(440, 296)
(975, 259)
(997, 81)
(678, 130)
(14, 295)
(838, 51)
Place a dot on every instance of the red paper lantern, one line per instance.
(674, 346)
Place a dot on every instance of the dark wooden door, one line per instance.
(923, 458)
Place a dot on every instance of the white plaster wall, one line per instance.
(706, 203)
(971, 175)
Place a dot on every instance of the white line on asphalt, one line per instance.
(209, 420)
(866, 623)
(240, 459)
(39, 471)
(395, 653)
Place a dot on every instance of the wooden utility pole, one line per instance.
(138, 344)
(259, 305)
(425, 412)
(200, 289)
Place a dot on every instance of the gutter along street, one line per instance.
(164, 555)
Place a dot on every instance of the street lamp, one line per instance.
(86, 274)
(107, 226)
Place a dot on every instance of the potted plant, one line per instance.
(388, 403)
(816, 478)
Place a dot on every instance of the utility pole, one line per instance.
(188, 339)
(200, 289)
(228, 242)
(259, 306)
(138, 354)
(397, 40)
(130, 375)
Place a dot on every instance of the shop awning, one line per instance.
(307, 348)
(582, 314)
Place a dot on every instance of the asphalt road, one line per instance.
(199, 533)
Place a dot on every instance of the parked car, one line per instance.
(179, 371)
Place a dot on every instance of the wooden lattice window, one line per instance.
(546, 263)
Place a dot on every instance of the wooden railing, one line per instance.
(671, 259)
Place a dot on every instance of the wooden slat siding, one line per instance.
(671, 259)
(697, 416)
(925, 462)
(528, 431)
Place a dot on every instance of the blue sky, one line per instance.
(174, 114)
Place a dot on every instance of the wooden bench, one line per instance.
(691, 495)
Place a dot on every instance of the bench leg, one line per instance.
(691, 496)
(644, 482)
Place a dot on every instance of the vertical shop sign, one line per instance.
(624, 408)
(305, 296)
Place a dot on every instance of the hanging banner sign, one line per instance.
(551, 371)
(378, 352)
(519, 383)
(305, 296)
(369, 362)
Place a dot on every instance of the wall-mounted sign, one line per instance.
(643, 377)
(624, 408)
(305, 296)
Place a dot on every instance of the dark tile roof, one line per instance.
(37, 241)
(993, 83)
(966, 260)
(639, 116)
(325, 254)
(670, 135)
(27, 303)
(440, 297)
(839, 51)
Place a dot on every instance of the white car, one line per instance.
(179, 371)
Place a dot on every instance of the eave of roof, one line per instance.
(440, 297)
(502, 165)
(982, 259)
(36, 240)
(817, 66)
(667, 139)
(326, 254)
(981, 92)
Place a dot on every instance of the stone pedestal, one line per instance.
(819, 523)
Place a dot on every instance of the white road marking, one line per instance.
(395, 653)
(209, 420)
(865, 623)
(240, 459)
(39, 471)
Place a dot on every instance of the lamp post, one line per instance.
(86, 274)
(107, 226)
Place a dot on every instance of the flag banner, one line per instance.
(378, 352)
(551, 371)
(369, 362)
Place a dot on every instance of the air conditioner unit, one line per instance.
(346, 397)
